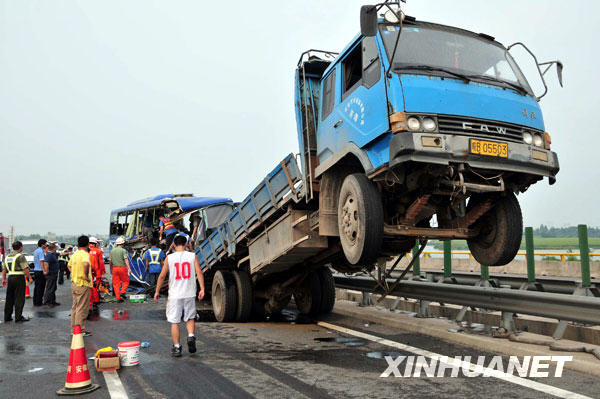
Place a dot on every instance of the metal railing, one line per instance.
(563, 255)
(563, 299)
(559, 306)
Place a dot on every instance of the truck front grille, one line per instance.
(449, 124)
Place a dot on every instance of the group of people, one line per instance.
(50, 268)
(182, 266)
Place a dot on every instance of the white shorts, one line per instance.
(178, 307)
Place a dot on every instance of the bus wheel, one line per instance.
(327, 290)
(500, 231)
(360, 219)
(244, 295)
(224, 296)
(308, 295)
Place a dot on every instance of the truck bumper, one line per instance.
(445, 149)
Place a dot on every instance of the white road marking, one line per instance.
(115, 387)
(548, 389)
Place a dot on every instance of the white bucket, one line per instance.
(129, 353)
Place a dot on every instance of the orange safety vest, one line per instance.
(97, 262)
(168, 224)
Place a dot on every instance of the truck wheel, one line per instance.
(501, 229)
(327, 290)
(360, 219)
(224, 296)
(308, 295)
(244, 295)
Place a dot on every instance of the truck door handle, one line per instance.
(338, 123)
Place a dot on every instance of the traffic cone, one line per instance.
(78, 376)
(27, 294)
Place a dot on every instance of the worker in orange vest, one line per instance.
(98, 270)
(167, 229)
(96, 258)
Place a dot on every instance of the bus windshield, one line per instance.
(427, 50)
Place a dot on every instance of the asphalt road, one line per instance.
(287, 357)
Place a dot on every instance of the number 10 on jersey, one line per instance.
(182, 271)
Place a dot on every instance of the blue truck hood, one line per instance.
(431, 94)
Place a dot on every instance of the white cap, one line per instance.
(93, 240)
(120, 241)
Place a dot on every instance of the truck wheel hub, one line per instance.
(350, 219)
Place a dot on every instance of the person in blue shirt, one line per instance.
(39, 258)
(187, 241)
(154, 259)
(51, 275)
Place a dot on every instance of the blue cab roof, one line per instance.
(185, 203)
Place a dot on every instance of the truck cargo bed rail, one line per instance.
(272, 194)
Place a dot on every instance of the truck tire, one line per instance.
(244, 295)
(501, 229)
(360, 219)
(224, 296)
(308, 295)
(327, 290)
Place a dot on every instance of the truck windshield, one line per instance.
(427, 50)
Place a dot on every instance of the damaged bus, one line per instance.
(139, 221)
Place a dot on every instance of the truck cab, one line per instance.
(418, 130)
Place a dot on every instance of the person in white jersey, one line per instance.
(183, 269)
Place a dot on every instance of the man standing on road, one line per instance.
(16, 266)
(51, 275)
(62, 263)
(81, 281)
(39, 255)
(119, 267)
(154, 259)
(182, 293)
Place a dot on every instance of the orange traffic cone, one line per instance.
(27, 294)
(78, 376)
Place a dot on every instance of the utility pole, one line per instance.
(11, 235)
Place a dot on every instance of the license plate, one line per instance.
(489, 148)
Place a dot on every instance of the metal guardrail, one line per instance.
(558, 306)
(557, 285)
(563, 255)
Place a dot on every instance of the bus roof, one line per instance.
(185, 203)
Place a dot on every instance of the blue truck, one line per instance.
(414, 131)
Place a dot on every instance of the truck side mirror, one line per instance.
(539, 65)
(368, 20)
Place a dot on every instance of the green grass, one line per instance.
(539, 243)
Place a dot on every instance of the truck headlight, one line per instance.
(538, 141)
(429, 124)
(413, 124)
(527, 138)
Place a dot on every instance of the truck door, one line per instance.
(362, 114)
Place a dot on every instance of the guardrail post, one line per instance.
(485, 273)
(530, 255)
(417, 265)
(584, 255)
(447, 258)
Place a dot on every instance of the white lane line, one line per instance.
(538, 386)
(115, 387)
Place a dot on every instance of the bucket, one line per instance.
(129, 352)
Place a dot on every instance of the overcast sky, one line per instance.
(106, 102)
